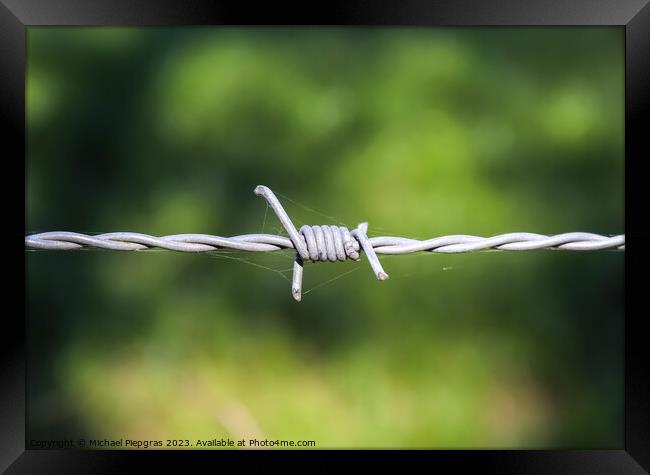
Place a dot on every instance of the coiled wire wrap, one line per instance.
(329, 243)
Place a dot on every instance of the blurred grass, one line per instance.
(421, 132)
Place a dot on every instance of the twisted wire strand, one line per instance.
(321, 243)
(393, 245)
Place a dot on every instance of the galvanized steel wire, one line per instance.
(322, 243)
(126, 241)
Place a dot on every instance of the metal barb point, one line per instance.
(299, 243)
(296, 284)
(360, 235)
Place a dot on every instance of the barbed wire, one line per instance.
(322, 243)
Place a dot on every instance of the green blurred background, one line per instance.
(421, 132)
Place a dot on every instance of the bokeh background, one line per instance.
(419, 131)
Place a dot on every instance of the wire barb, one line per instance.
(360, 234)
(321, 243)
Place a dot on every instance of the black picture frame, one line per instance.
(633, 15)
